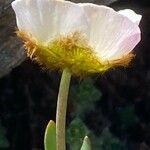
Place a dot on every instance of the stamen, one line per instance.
(72, 52)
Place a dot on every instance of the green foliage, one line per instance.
(86, 144)
(127, 116)
(84, 97)
(50, 136)
(3, 140)
(76, 133)
(108, 142)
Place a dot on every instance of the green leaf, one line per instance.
(50, 136)
(86, 144)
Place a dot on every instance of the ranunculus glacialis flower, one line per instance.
(85, 38)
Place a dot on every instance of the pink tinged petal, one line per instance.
(111, 35)
(47, 19)
(130, 14)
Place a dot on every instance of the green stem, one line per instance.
(61, 110)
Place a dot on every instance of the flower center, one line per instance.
(72, 52)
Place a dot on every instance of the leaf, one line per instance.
(50, 136)
(86, 144)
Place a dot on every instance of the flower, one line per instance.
(85, 38)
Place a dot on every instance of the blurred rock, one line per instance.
(11, 53)
(100, 2)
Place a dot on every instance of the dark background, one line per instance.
(120, 115)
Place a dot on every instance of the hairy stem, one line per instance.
(61, 110)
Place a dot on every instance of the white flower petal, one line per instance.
(46, 19)
(112, 35)
(135, 18)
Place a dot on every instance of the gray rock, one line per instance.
(11, 51)
(100, 2)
